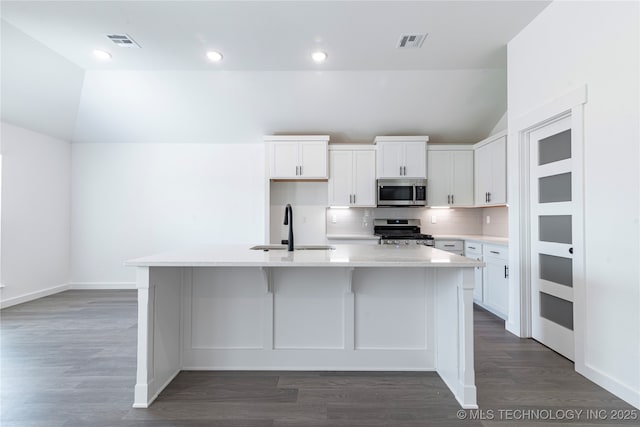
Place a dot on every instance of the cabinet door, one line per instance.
(462, 178)
(340, 178)
(415, 160)
(439, 179)
(364, 177)
(483, 174)
(284, 160)
(496, 285)
(390, 160)
(313, 159)
(498, 172)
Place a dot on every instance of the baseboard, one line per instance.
(102, 285)
(32, 296)
(610, 384)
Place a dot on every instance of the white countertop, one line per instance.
(341, 256)
(474, 238)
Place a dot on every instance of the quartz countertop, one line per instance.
(474, 238)
(340, 256)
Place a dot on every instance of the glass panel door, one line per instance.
(552, 236)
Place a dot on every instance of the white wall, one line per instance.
(40, 88)
(132, 200)
(594, 43)
(35, 214)
(238, 106)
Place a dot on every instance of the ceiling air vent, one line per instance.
(410, 41)
(123, 40)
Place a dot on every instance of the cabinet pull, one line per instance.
(400, 170)
(448, 199)
(495, 252)
(472, 247)
(404, 169)
(488, 194)
(452, 199)
(354, 199)
(486, 197)
(297, 170)
(506, 271)
(449, 246)
(300, 170)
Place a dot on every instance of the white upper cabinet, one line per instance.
(352, 176)
(297, 157)
(401, 156)
(450, 177)
(491, 171)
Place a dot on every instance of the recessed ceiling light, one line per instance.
(319, 56)
(103, 55)
(214, 56)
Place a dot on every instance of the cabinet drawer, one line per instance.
(495, 251)
(449, 245)
(474, 248)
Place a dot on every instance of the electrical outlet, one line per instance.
(333, 219)
(488, 219)
(434, 219)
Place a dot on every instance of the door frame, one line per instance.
(570, 105)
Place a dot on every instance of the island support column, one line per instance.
(159, 331)
(454, 341)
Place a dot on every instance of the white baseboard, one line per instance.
(610, 384)
(32, 296)
(102, 285)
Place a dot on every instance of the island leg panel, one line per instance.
(454, 331)
(159, 331)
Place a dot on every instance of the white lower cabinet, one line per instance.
(496, 279)
(453, 246)
(474, 250)
(492, 282)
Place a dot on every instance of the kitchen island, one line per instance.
(354, 307)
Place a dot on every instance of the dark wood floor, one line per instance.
(69, 360)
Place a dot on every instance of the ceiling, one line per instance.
(453, 88)
(269, 35)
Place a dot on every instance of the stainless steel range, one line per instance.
(401, 232)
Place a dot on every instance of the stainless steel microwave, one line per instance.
(402, 192)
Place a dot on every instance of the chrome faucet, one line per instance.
(288, 220)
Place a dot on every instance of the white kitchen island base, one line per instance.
(306, 316)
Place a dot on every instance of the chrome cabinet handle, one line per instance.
(297, 168)
(404, 169)
(449, 246)
(489, 197)
(300, 170)
(452, 199)
(506, 271)
(472, 247)
(448, 199)
(494, 252)
(400, 170)
(354, 199)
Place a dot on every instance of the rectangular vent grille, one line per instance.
(411, 41)
(123, 40)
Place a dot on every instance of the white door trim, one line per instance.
(571, 104)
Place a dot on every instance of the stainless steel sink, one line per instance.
(297, 248)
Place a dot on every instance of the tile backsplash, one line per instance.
(433, 221)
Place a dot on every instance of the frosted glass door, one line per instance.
(553, 230)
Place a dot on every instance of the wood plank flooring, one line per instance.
(69, 360)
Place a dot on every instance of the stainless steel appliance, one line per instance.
(401, 232)
(402, 192)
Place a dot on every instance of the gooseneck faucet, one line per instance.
(288, 220)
